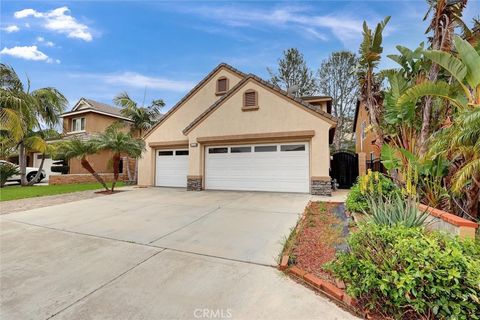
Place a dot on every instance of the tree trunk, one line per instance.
(22, 162)
(116, 163)
(39, 172)
(135, 177)
(88, 167)
(427, 113)
(129, 173)
(473, 199)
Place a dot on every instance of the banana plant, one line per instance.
(464, 68)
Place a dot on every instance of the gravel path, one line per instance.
(40, 202)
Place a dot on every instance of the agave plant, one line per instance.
(7, 170)
(395, 210)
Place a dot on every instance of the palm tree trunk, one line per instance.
(116, 163)
(473, 199)
(86, 165)
(39, 172)
(136, 171)
(129, 173)
(22, 162)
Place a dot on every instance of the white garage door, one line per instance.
(172, 168)
(265, 167)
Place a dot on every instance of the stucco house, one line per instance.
(235, 131)
(87, 119)
(365, 147)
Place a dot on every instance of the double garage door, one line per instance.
(260, 167)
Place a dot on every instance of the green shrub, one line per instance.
(395, 210)
(372, 184)
(408, 272)
(7, 170)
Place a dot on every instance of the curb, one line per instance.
(333, 291)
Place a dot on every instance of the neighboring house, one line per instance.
(368, 152)
(87, 119)
(235, 131)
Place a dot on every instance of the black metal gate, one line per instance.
(344, 168)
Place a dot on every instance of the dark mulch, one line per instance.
(320, 235)
(105, 192)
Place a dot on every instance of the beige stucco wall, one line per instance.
(366, 145)
(94, 122)
(275, 114)
(171, 128)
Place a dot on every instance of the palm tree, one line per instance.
(22, 111)
(459, 140)
(445, 17)
(370, 83)
(79, 149)
(460, 143)
(119, 142)
(143, 118)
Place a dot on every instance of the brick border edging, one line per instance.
(325, 287)
(448, 217)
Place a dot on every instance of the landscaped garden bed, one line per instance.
(319, 235)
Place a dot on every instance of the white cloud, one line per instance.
(344, 26)
(59, 20)
(12, 28)
(25, 52)
(47, 43)
(137, 80)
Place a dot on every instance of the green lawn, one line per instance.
(17, 192)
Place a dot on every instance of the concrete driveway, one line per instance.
(155, 253)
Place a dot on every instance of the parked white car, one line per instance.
(31, 172)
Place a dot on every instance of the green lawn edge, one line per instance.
(15, 192)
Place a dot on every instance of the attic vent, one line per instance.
(222, 85)
(250, 99)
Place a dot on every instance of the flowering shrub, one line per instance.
(410, 273)
(373, 184)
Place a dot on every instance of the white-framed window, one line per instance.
(364, 128)
(78, 124)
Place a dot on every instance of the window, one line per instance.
(165, 153)
(240, 149)
(363, 128)
(218, 150)
(181, 153)
(222, 85)
(293, 147)
(250, 99)
(265, 148)
(78, 124)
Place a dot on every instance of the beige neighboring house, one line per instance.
(87, 119)
(235, 131)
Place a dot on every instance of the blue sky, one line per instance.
(97, 49)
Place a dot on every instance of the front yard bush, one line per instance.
(411, 273)
(373, 184)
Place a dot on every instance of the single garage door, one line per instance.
(171, 168)
(265, 167)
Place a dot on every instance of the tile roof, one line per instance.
(104, 107)
(306, 105)
(191, 92)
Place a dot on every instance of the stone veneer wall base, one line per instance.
(321, 186)
(194, 183)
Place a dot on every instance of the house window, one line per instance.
(222, 85)
(78, 124)
(218, 150)
(181, 153)
(363, 130)
(293, 147)
(250, 98)
(265, 148)
(240, 149)
(165, 153)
